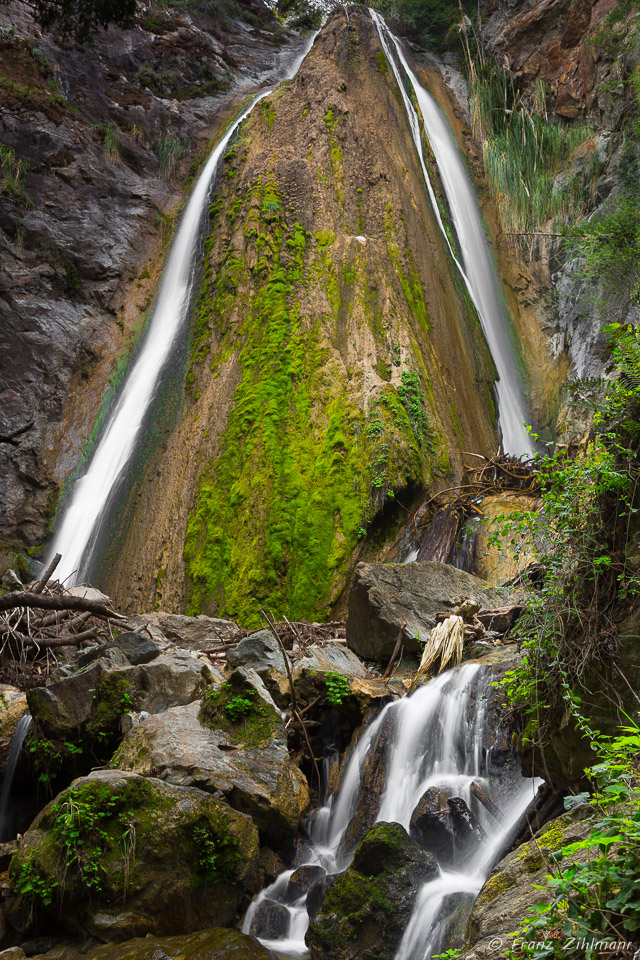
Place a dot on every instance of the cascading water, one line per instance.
(435, 738)
(479, 271)
(15, 749)
(78, 532)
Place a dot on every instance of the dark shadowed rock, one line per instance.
(431, 826)
(303, 878)
(384, 596)
(270, 921)
(318, 893)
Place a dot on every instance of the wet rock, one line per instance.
(373, 775)
(13, 953)
(7, 850)
(385, 596)
(270, 921)
(246, 760)
(261, 651)
(164, 884)
(214, 944)
(431, 826)
(466, 828)
(369, 905)
(13, 706)
(302, 879)
(318, 894)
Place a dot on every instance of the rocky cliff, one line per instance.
(98, 145)
(336, 365)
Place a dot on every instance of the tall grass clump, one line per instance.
(110, 142)
(523, 152)
(168, 148)
(13, 172)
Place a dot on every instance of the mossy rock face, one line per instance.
(242, 708)
(217, 944)
(120, 856)
(367, 909)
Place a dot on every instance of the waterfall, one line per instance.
(15, 749)
(479, 271)
(435, 738)
(77, 534)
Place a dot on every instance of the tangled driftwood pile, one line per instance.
(45, 615)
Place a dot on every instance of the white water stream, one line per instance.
(8, 773)
(479, 271)
(76, 535)
(435, 738)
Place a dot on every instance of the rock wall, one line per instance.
(336, 361)
(97, 144)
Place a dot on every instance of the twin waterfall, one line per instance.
(436, 738)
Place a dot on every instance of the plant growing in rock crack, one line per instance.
(337, 688)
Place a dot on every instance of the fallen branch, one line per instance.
(396, 650)
(24, 598)
(486, 801)
(39, 586)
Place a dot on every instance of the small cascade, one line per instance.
(479, 270)
(436, 738)
(92, 493)
(8, 774)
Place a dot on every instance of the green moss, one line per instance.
(238, 709)
(382, 63)
(494, 887)
(112, 698)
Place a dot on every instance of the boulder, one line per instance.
(192, 633)
(384, 596)
(121, 856)
(261, 651)
(367, 908)
(318, 894)
(217, 944)
(137, 648)
(13, 706)
(270, 921)
(331, 658)
(243, 757)
(89, 703)
(431, 826)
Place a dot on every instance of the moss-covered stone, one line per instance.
(217, 944)
(238, 709)
(120, 855)
(366, 910)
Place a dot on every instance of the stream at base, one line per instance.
(439, 737)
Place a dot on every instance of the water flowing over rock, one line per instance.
(438, 738)
(383, 597)
(368, 907)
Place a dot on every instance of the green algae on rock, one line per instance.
(217, 944)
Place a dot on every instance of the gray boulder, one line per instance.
(241, 757)
(92, 700)
(384, 596)
(260, 651)
(193, 633)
